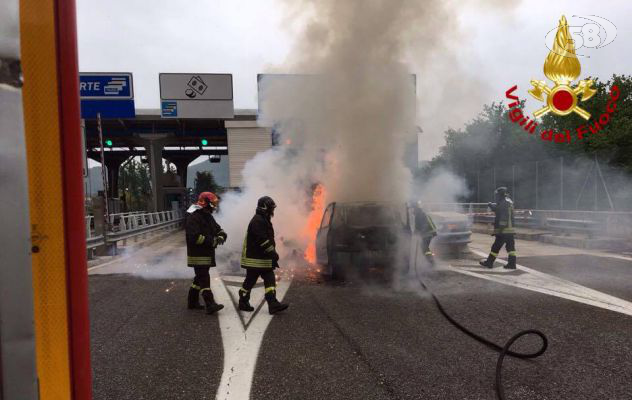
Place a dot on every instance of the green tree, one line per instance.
(613, 142)
(205, 182)
(492, 139)
(134, 185)
(491, 150)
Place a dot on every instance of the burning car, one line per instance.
(356, 236)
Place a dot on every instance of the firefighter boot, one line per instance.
(244, 301)
(274, 306)
(512, 262)
(193, 302)
(489, 263)
(211, 306)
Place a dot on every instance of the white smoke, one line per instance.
(442, 186)
(10, 29)
(347, 109)
(278, 174)
(347, 114)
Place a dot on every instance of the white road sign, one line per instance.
(196, 95)
(196, 86)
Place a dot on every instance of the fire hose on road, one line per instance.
(503, 351)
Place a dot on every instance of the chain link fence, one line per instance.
(561, 183)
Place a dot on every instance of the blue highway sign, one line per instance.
(110, 94)
(169, 109)
(108, 108)
(99, 86)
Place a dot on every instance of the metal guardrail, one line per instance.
(114, 219)
(128, 225)
(92, 240)
(528, 219)
(135, 224)
(602, 223)
(464, 208)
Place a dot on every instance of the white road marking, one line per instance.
(535, 248)
(242, 333)
(541, 282)
(241, 340)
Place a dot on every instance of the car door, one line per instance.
(321, 236)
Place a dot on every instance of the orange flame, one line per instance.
(313, 222)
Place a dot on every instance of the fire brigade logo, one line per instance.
(562, 67)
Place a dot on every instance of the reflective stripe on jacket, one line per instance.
(504, 219)
(259, 248)
(202, 232)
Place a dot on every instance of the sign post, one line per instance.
(106, 95)
(104, 176)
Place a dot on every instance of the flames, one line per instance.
(313, 222)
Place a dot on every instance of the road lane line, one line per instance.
(548, 284)
(577, 251)
(241, 336)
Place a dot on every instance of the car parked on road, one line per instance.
(454, 230)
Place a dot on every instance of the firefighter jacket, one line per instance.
(504, 219)
(203, 234)
(424, 224)
(259, 249)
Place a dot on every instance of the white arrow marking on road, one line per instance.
(242, 333)
(540, 282)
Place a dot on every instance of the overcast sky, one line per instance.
(249, 37)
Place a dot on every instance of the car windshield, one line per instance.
(366, 216)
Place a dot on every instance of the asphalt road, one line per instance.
(146, 344)
(377, 340)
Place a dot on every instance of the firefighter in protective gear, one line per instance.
(203, 235)
(503, 229)
(259, 257)
(427, 230)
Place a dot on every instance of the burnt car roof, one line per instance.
(366, 203)
(369, 213)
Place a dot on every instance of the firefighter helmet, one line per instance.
(266, 205)
(501, 192)
(208, 199)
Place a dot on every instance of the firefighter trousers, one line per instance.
(202, 279)
(506, 239)
(267, 274)
(425, 244)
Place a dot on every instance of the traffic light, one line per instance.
(108, 142)
(204, 142)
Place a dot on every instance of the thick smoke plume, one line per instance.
(347, 109)
(343, 121)
(362, 77)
